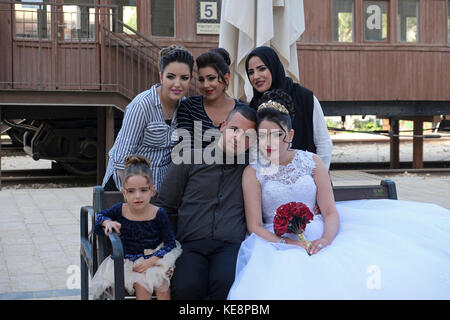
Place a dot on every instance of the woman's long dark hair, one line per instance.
(218, 59)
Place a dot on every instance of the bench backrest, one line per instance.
(385, 190)
(106, 199)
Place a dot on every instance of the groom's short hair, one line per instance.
(246, 111)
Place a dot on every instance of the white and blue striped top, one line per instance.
(144, 132)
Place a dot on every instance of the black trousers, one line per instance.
(205, 270)
(110, 185)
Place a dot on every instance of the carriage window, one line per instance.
(375, 20)
(78, 20)
(343, 20)
(33, 20)
(125, 12)
(408, 20)
(162, 18)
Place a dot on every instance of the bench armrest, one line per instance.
(392, 189)
(117, 256)
(87, 245)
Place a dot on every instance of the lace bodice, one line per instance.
(283, 184)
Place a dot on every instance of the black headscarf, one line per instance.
(302, 97)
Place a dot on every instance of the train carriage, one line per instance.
(68, 68)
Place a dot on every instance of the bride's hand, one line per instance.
(317, 209)
(297, 243)
(317, 245)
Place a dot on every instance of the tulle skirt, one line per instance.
(385, 249)
(154, 277)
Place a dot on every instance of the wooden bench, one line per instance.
(95, 248)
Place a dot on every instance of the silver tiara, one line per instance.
(274, 105)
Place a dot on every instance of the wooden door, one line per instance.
(77, 53)
(32, 46)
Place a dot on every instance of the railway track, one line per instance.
(43, 176)
(384, 167)
(58, 176)
(9, 150)
(28, 177)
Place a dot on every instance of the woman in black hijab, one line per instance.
(266, 72)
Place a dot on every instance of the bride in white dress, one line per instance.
(365, 249)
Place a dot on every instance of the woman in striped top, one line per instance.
(151, 118)
(203, 115)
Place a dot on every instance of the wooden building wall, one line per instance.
(185, 27)
(351, 71)
(334, 71)
(376, 71)
(5, 47)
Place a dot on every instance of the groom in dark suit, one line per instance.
(211, 220)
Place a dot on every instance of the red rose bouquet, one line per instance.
(292, 217)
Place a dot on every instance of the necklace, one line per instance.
(166, 114)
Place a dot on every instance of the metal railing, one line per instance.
(130, 64)
(55, 47)
(141, 60)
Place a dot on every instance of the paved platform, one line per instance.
(39, 232)
(39, 241)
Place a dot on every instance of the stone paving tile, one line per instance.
(46, 243)
(58, 276)
(39, 229)
(19, 265)
(19, 250)
(11, 237)
(32, 218)
(61, 294)
(13, 226)
(4, 276)
(10, 214)
(30, 282)
(53, 259)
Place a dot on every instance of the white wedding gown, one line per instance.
(385, 249)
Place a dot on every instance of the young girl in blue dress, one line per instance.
(149, 244)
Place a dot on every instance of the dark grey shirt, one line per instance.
(208, 199)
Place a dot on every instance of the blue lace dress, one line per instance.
(141, 240)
